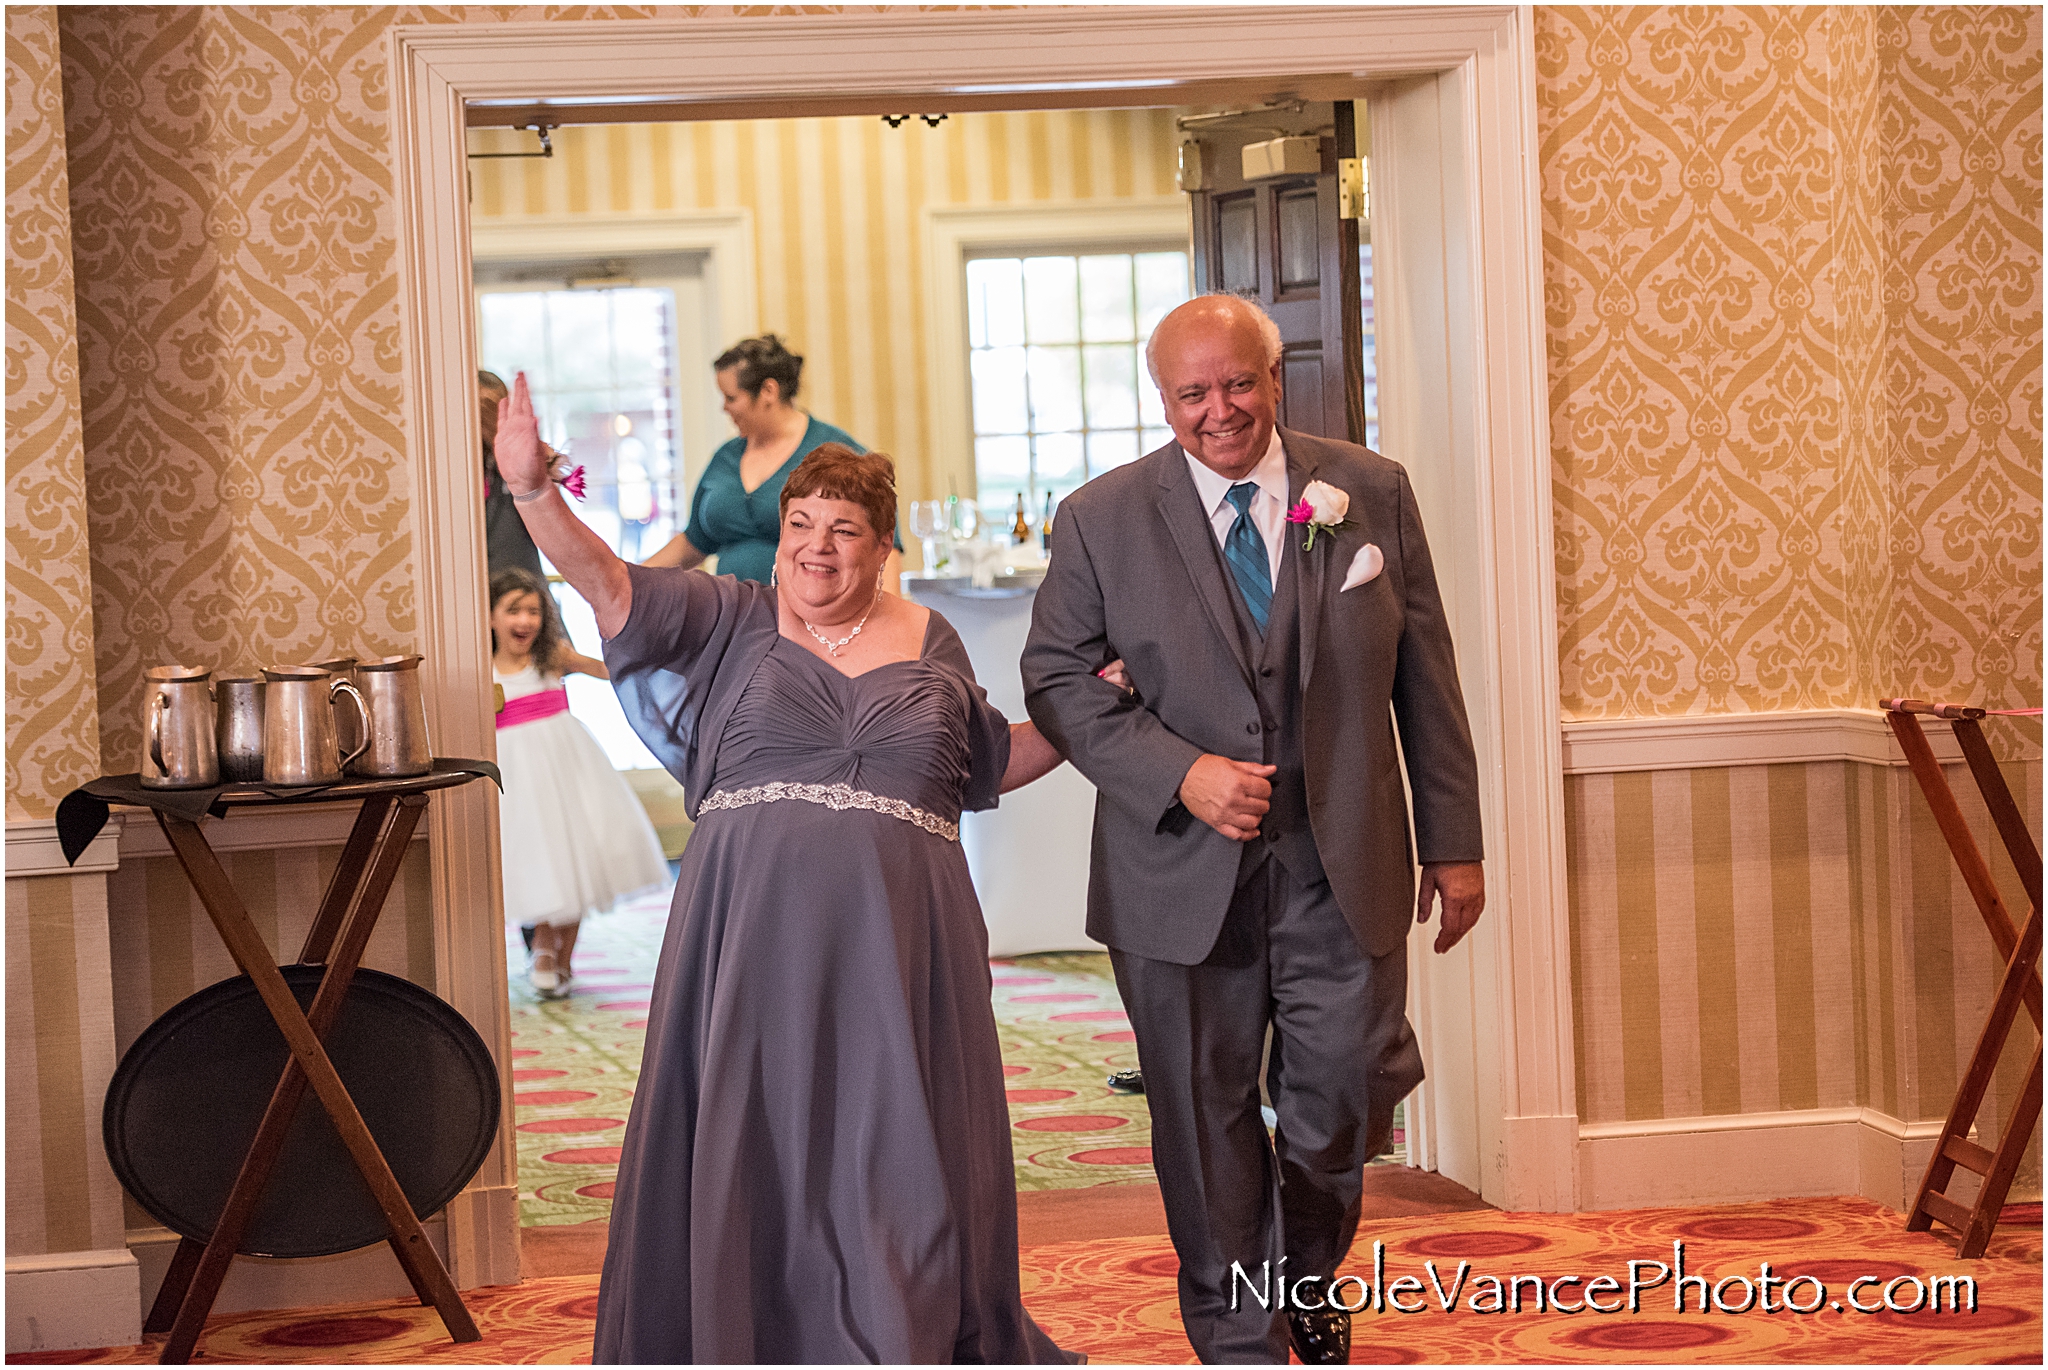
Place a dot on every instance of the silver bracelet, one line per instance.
(531, 495)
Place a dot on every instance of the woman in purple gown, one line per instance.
(817, 1167)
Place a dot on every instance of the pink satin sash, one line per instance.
(528, 708)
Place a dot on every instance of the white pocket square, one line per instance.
(1367, 564)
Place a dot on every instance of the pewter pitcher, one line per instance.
(398, 718)
(344, 724)
(301, 744)
(177, 729)
(238, 728)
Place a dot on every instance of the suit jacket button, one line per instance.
(1265, 670)
(1252, 728)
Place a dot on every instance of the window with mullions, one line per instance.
(1058, 368)
(601, 365)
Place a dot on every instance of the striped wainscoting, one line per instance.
(165, 948)
(1762, 947)
(71, 1280)
(93, 957)
(60, 1053)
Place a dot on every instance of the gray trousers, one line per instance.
(1342, 1057)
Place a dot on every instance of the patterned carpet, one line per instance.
(1114, 1298)
(575, 1062)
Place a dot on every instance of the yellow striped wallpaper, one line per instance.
(836, 206)
(67, 1023)
(165, 947)
(1758, 939)
(61, 1049)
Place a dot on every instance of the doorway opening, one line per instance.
(1040, 305)
(1453, 133)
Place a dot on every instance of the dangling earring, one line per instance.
(771, 575)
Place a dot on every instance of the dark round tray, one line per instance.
(187, 1097)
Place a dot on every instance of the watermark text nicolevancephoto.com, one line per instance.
(1268, 1287)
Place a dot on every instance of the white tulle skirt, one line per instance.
(575, 838)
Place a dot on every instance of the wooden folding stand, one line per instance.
(341, 930)
(2020, 983)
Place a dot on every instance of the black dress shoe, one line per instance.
(1127, 1082)
(1321, 1337)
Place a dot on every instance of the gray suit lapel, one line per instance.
(1181, 508)
(1311, 568)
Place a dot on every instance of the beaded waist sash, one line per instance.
(835, 797)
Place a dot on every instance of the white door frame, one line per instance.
(1466, 309)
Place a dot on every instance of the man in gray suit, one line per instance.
(1251, 862)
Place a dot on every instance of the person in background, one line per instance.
(575, 838)
(736, 512)
(506, 541)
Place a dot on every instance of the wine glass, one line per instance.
(966, 521)
(928, 526)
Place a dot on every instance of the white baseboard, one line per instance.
(255, 1283)
(1539, 1167)
(1742, 1157)
(72, 1301)
(483, 1236)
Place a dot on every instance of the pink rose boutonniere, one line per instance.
(1321, 510)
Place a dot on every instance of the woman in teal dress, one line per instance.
(736, 512)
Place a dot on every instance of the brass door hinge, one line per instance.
(1352, 201)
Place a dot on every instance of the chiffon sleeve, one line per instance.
(988, 732)
(680, 658)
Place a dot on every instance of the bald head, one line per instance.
(1211, 312)
(1216, 361)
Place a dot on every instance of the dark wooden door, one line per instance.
(1282, 243)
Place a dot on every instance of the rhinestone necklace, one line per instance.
(831, 647)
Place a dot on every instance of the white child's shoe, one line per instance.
(542, 975)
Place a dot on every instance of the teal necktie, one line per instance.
(1244, 547)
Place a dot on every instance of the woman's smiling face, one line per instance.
(828, 554)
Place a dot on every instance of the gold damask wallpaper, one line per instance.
(1791, 268)
(1960, 136)
(53, 739)
(239, 340)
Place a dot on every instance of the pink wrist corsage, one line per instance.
(570, 480)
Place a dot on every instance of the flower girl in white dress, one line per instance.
(575, 838)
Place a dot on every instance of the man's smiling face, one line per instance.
(1221, 394)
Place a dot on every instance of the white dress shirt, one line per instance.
(1268, 508)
